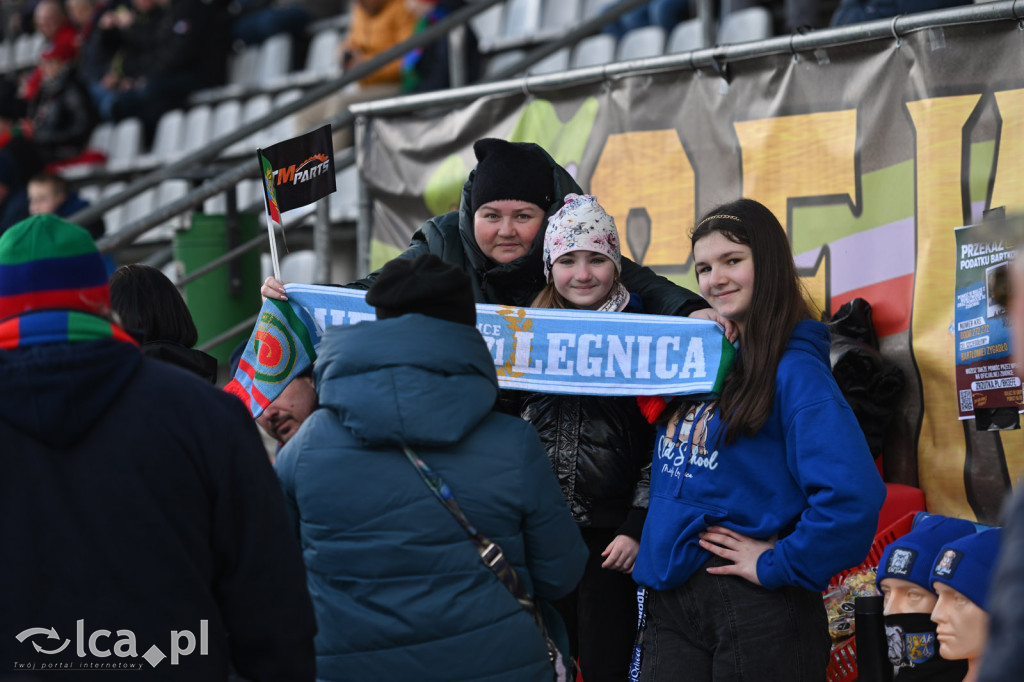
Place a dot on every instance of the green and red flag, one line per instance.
(269, 194)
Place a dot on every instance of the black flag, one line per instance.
(302, 168)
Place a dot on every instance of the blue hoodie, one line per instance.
(399, 590)
(807, 477)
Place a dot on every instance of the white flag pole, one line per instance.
(273, 240)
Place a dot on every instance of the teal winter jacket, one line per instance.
(399, 590)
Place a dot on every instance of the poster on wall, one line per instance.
(985, 376)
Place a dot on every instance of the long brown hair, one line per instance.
(777, 304)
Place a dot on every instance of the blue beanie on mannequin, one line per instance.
(967, 565)
(912, 556)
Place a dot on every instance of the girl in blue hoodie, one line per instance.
(759, 498)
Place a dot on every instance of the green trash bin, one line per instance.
(214, 306)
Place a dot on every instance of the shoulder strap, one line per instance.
(490, 552)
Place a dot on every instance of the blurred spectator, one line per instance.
(429, 68)
(50, 193)
(257, 20)
(856, 11)
(99, 44)
(181, 46)
(152, 310)
(125, 36)
(664, 13)
(19, 161)
(376, 26)
(61, 115)
(60, 37)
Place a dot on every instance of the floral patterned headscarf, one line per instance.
(580, 225)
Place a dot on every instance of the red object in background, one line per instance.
(900, 500)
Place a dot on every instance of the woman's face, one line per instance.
(583, 278)
(961, 625)
(725, 274)
(505, 229)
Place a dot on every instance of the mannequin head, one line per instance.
(961, 578)
(904, 570)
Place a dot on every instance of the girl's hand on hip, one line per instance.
(620, 554)
(740, 549)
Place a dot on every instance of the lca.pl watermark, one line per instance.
(102, 644)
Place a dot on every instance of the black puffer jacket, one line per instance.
(451, 238)
(600, 449)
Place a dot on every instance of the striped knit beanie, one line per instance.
(47, 262)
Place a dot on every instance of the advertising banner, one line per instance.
(871, 154)
(985, 376)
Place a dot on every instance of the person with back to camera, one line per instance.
(151, 309)
(599, 447)
(137, 505)
(758, 498)
(399, 589)
(961, 577)
(904, 579)
(1004, 656)
(497, 235)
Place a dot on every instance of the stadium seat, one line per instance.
(321, 62)
(253, 108)
(167, 142)
(298, 266)
(593, 51)
(125, 144)
(558, 16)
(591, 8)
(648, 41)
(753, 23)
(522, 18)
(27, 48)
(344, 203)
(227, 118)
(686, 36)
(502, 60)
(553, 63)
(285, 128)
(487, 25)
(197, 127)
(113, 217)
(275, 58)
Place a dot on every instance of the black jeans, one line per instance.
(723, 628)
(600, 615)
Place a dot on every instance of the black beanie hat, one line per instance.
(511, 170)
(425, 285)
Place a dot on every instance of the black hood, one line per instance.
(518, 282)
(196, 361)
(56, 392)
